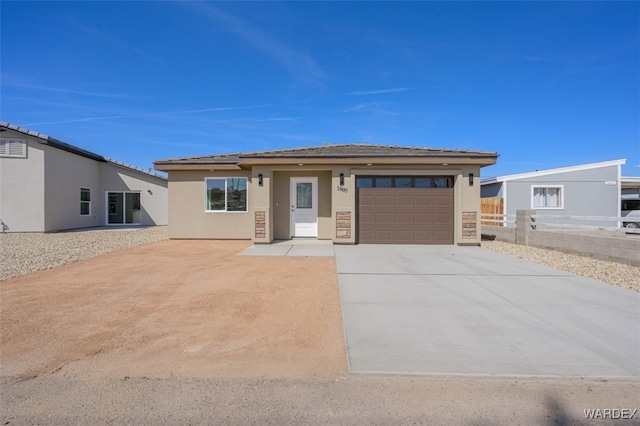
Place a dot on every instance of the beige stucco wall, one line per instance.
(22, 189)
(64, 174)
(187, 215)
(467, 200)
(188, 220)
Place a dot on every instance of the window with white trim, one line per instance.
(547, 197)
(85, 201)
(13, 148)
(226, 194)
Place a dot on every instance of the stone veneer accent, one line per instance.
(261, 227)
(469, 225)
(343, 225)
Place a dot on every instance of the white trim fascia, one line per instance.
(630, 179)
(539, 173)
(505, 204)
(619, 195)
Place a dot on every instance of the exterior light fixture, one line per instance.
(470, 179)
(300, 164)
(260, 179)
(341, 179)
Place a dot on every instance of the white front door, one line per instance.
(304, 207)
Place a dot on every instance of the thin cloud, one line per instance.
(381, 91)
(217, 109)
(76, 120)
(68, 91)
(301, 65)
(373, 106)
(106, 38)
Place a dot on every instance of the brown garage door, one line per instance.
(405, 215)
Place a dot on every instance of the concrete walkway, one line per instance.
(444, 310)
(296, 247)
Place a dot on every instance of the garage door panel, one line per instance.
(403, 218)
(405, 215)
(383, 201)
(440, 235)
(384, 236)
(403, 201)
(442, 201)
(402, 235)
(366, 200)
(423, 200)
(442, 219)
(422, 218)
(384, 218)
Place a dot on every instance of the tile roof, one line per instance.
(333, 151)
(48, 140)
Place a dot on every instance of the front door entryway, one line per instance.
(304, 207)
(123, 208)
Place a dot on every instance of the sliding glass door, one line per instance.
(123, 208)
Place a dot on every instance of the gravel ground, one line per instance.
(23, 253)
(618, 274)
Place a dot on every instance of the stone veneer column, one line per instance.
(261, 226)
(343, 225)
(469, 225)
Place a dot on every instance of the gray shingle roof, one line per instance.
(333, 151)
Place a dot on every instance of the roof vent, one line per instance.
(13, 148)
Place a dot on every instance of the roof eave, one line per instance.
(559, 170)
(167, 167)
(201, 164)
(439, 160)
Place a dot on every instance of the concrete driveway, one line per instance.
(444, 310)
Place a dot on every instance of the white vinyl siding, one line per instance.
(547, 197)
(13, 148)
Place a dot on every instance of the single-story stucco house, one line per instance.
(47, 185)
(347, 193)
(593, 189)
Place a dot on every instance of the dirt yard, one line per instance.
(176, 308)
(186, 332)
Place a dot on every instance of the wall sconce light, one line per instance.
(149, 191)
(260, 179)
(341, 179)
(470, 179)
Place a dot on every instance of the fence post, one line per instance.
(524, 225)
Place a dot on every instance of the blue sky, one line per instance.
(544, 84)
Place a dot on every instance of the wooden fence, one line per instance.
(490, 207)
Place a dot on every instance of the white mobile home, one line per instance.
(583, 190)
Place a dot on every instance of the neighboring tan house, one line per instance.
(584, 190)
(352, 193)
(48, 185)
